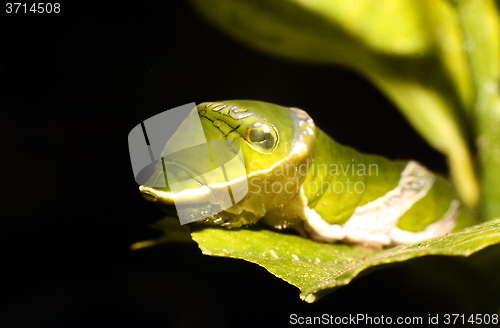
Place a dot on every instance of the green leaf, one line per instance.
(317, 268)
(412, 50)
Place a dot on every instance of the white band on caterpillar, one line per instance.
(374, 224)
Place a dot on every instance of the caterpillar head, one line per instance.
(274, 144)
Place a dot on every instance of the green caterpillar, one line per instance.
(299, 178)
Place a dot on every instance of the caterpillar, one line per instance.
(297, 177)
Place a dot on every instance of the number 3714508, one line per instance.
(473, 319)
(35, 8)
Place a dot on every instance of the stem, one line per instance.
(488, 142)
(480, 24)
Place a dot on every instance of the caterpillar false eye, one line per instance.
(261, 134)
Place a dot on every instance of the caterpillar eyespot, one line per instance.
(261, 134)
(299, 178)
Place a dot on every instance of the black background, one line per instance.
(72, 86)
